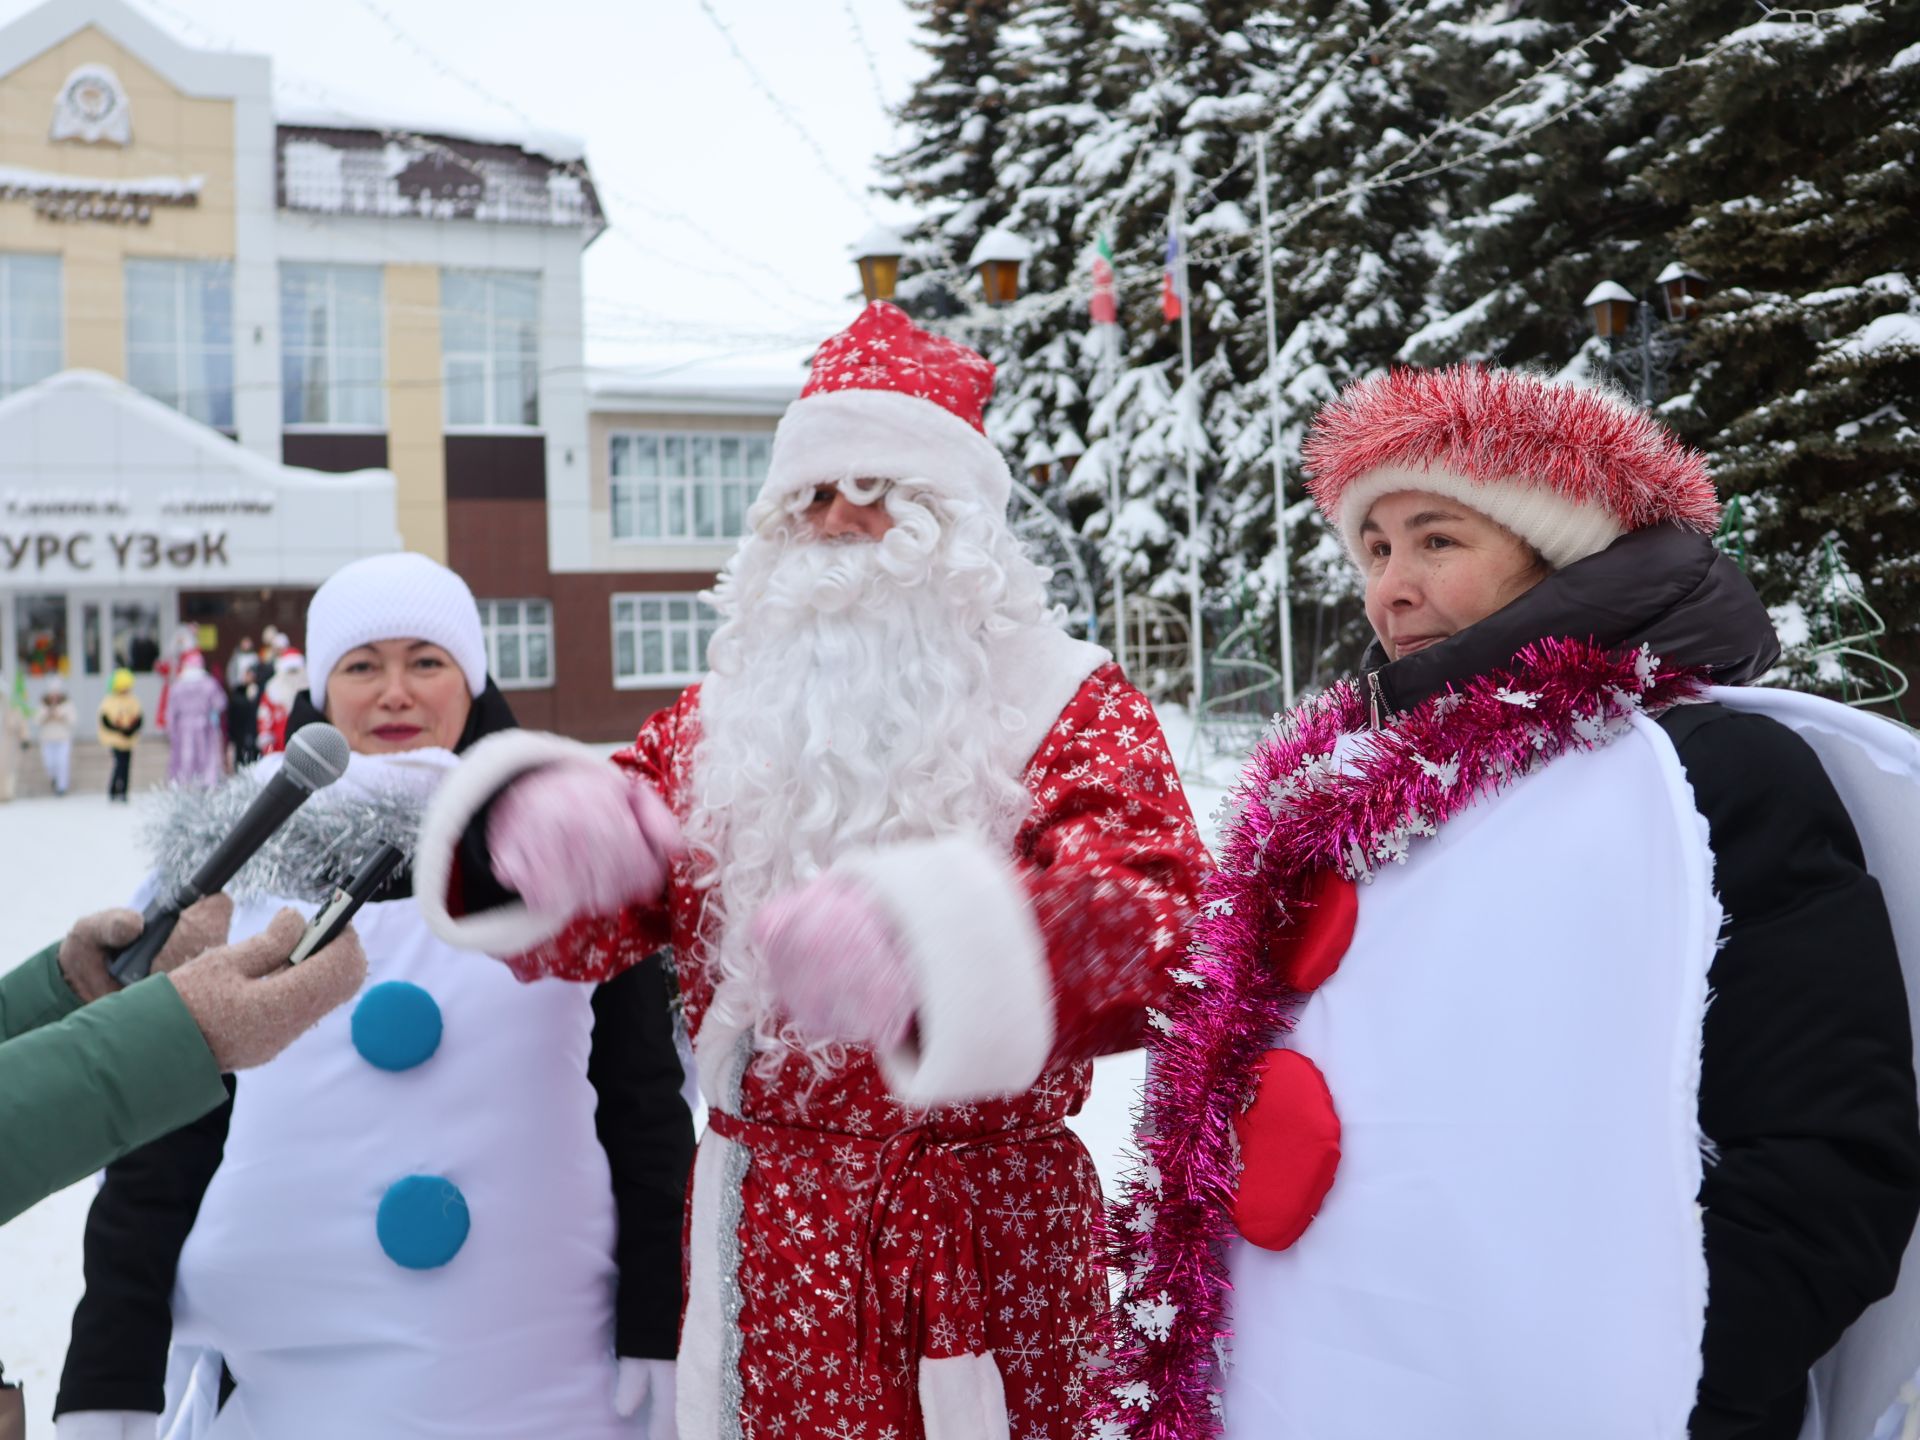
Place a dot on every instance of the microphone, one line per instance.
(316, 757)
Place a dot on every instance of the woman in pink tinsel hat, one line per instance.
(1442, 1137)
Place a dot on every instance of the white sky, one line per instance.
(674, 125)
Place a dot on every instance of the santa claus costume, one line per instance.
(896, 1239)
(277, 699)
(1441, 1137)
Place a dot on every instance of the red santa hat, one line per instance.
(887, 400)
(1567, 468)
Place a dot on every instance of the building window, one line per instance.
(519, 642)
(30, 338)
(333, 362)
(180, 335)
(672, 486)
(489, 343)
(660, 639)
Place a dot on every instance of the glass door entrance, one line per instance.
(82, 637)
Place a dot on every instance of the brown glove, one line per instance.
(96, 939)
(251, 1005)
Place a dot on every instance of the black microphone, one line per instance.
(316, 757)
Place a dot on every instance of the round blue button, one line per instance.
(423, 1221)
(396, 1025)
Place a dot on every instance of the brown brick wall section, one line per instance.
(500, 548)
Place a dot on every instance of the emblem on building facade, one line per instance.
(92, 106)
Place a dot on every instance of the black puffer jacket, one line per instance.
(1807, 1083)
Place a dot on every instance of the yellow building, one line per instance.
(242, 343)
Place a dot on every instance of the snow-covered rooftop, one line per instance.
(387, 119)
(760, 383)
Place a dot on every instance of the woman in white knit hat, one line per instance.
(408, 1225)
(1442, 1137)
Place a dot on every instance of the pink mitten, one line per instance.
(836, 965)
(582, 840)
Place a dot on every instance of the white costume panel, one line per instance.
(284, 1274)
(1875, 765)
(1512, 1246)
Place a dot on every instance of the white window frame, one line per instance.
(328, 352)
(10, 373)
(701, 618)
(522, 628)
(685, 489)
(180, 349)
(489, 358)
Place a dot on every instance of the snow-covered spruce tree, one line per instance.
(954, 118)
(1346, 99)
(1554, 128)
(1801, 177)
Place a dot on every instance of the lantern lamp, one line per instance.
(998, 257)
(1612, 307)
(878, 254)
(1683, 290)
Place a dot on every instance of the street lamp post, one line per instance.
(1640, 344)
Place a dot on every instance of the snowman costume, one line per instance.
(407, 1223)
(1443, 1137)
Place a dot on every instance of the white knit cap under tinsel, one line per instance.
(393, 597)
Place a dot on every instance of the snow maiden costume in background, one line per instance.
(900, 1243)
(405, 1226)
(1443, 1138)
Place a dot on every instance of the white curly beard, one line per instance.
(851, 705)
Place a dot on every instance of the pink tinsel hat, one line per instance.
(1567, 468)
(887, 400)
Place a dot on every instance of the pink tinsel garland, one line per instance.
(1297, 811)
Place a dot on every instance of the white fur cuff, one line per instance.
(979, 967)
(483, 772)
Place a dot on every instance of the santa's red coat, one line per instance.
(883, 1259)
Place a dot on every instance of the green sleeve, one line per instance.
(108, 1078)
(33, 994)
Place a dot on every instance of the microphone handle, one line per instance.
(157, 922)
(278, 799)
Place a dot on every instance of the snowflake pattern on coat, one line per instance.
(873, 1237)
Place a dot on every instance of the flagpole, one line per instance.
(1110, 364)
(1192, 421)
(1106, 326)
(1273, 413)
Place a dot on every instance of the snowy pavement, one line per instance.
(64, 858)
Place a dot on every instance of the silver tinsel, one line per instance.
(317, 849)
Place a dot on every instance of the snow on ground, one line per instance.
(64, 858)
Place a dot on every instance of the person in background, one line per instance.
(240, 666)
(54, 722)
(196, 754)
(185, 644)
(15, 737)
(120, 721)
(247, 673)
(277, 696)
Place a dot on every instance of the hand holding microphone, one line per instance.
(250, 1004)
(316, 757)
(95, 939)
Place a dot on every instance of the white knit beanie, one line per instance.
(393, 597)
